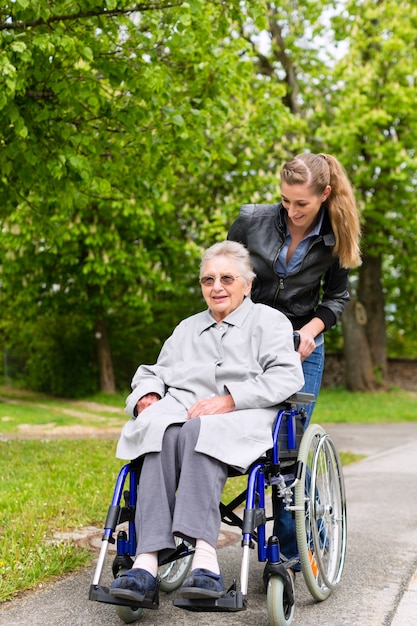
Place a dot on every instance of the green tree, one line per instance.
(373, 123)
(130, 134)
(349, 75)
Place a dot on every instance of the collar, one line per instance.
(235, 318)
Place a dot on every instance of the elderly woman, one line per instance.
(209, 401)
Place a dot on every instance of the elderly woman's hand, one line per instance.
(146, 401)
(212, 406)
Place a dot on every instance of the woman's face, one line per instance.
(222, 299)
(302, 205)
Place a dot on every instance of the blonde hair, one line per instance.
(318, 171)
(235, 251)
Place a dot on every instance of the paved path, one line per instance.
(379, 585)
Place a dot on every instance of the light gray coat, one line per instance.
(250, 354)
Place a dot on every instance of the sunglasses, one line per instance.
(208, 281)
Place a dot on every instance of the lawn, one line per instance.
(54, 482)
(30, 413)
(336, 405)
(50, 486)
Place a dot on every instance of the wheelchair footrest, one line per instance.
(232, 601)
(98, 593)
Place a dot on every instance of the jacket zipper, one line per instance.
(281, 284)
(281, 279)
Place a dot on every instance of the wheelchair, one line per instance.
(304, 471)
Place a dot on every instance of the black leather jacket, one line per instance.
(319, 288)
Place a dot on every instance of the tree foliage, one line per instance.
(350, 72)
(131, 132)
(374, 127)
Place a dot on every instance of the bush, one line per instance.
(61, 359)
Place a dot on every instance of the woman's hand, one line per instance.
(307, 334)
(146, 401)
(307, 345)
(212, 406)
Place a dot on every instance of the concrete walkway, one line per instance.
(379, 584)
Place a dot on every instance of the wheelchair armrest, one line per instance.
(301, 398)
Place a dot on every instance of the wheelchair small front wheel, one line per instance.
(280, 611)
(128, 615)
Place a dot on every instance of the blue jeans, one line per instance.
(284, 523)
(313, 373)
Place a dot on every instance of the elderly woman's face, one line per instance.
(222, 298)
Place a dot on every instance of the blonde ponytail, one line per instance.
(318, 171)
(344, 215)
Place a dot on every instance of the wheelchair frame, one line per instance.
(316, 495)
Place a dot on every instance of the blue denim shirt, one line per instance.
(282, 267)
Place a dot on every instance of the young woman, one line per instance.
(302, 250)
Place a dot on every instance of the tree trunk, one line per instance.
(107, 382)
(359, 373)
(371, 294)
(364, 331)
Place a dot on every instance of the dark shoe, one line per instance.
(135, 584)
(202, 583)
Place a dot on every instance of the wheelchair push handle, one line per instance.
(296, 338)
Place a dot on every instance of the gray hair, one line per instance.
(236, 251)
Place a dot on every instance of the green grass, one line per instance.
(25, 413)
(58, 485)
(48, 487)
(336, 405)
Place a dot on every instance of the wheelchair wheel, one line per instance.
(280, 612)
(320, 513)
(173, 574)
(128, 615)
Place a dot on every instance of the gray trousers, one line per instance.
(179, 493)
